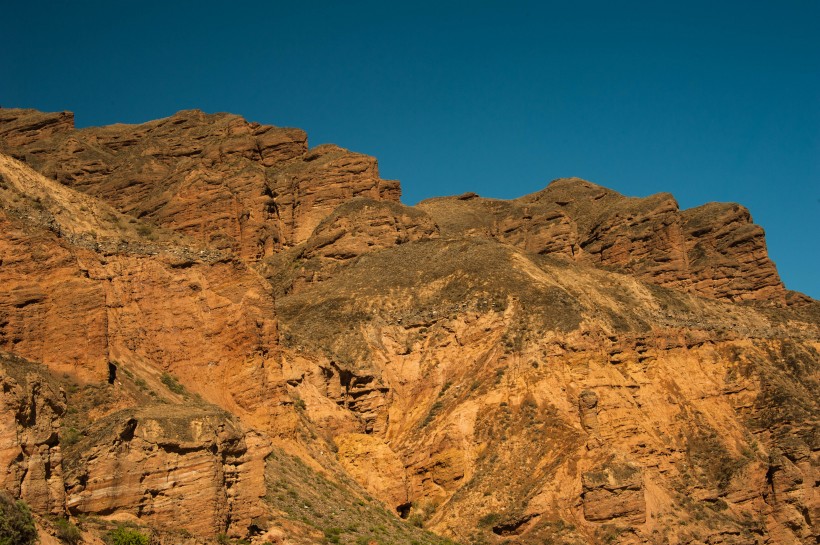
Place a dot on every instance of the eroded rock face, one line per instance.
(504, 406)
(22, 128)
(173, 466)
(228, 183)
(364, 225)
(474, 364)
(614, 492)
(354, 229)
(77, 304)
(372, 463)
(535, 228)
(307, 190)
(588, 410)
(727, 254)
(30, 454)
(713, 250)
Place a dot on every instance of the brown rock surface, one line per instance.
(307, 190)
(371, 462)
(21, 128)
(614, 491)
(226, 182)
(713, 250)
(535, 228)
(178, 467)
(510, 382)
(30, 454)
(727, 254)
(571, 366)
(99, 299)
(353, 229)
(75, 307)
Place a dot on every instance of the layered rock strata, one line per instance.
(254, 338)
(231, 184)
(177, 467)
(30, 450)
(713, 250)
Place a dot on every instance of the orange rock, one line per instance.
(713, 250)
(230, 184)
(569, 366)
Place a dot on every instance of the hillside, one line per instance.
(213, 333)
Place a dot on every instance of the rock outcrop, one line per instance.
(713, 250)
(207, 328)
(353, 229)
(30, 453)
(77, 303)
(516, 389)
(614, 492)
(177, 467)
(225, 182)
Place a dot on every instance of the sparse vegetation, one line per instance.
(16, 523)
(70, 436)
(172, 383)
(444, 388)
(125, 535)
(333, 535)
(67, 532)
(707, 451)
(339, 509)
(489, 519)
(144, 230)
(434, 410)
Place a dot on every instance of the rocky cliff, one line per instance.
(714, 250)
(211, 332)
(226, 182)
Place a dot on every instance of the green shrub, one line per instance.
(172, 383)
(70, 436)
(434, 410)
(124, 535)
(719, 505)
(16, 522)
(67, 532)
(489, 519)
(333, 535)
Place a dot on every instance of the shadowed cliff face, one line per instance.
(207, 328)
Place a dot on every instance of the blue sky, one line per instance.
(711, 101)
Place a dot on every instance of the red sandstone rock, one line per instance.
(228, 183)
(475, 364)
(713, 250)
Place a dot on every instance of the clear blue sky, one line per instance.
(711, 101)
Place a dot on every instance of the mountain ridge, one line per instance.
(572, 365)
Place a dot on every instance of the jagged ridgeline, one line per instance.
(212, 333)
